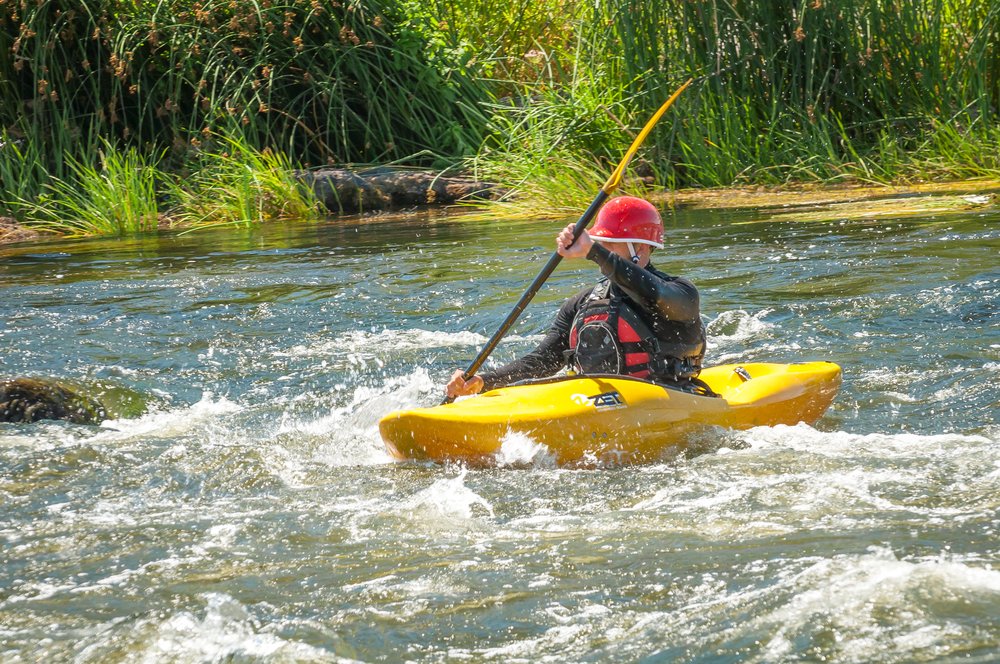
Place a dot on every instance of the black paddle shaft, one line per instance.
(535, 286)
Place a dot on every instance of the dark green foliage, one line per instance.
(321, 80)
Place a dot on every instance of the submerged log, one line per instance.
(343, 190)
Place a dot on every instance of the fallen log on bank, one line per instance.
(384, 188)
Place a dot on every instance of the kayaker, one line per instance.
(635, 321)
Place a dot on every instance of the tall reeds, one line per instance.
(323, 81)
(228, 183)
(813, 90)
(553, 145)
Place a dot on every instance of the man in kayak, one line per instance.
(636, 321)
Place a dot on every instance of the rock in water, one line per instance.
(33, 399)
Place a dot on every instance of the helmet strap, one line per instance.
(631, 250)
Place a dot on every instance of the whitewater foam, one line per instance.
(850, 595)
(380, 343)
(168, 423)
(447, 503)
(518, 450)
(225, 631)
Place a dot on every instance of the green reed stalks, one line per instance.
(555, 142)
(859, 90)
(115, 197)
(327, 82)
(235, 184)
(799, 80)
(872, 90)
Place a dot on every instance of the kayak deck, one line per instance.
(603, 416)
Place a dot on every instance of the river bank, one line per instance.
(377, 191)
(868, 91)
(339, 191)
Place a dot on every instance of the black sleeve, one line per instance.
(547, 358)
(673, 298)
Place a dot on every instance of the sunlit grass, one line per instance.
(857, 91)
(553, 145)
(558, 187)
(234, 184)
(116, 196)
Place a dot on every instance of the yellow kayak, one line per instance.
(604, 417)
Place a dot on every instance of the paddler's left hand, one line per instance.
(569, 249)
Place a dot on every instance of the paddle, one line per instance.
(585, 219)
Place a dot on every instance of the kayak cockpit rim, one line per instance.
(559, 378)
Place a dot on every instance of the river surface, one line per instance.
(252, 514)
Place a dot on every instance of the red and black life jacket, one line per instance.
(609, 336)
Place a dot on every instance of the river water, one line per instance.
(252, 514)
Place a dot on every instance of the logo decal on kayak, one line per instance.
(605, 401)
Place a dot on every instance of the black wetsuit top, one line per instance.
(670, 305)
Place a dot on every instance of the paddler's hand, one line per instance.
(459, 387)
(569, 249)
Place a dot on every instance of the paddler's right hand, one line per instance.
(459, 387)
(567, 247)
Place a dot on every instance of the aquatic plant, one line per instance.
(863, 90)
(23, 170)
(509, 42)
(538, 92)
(228, 182)
(556, 142)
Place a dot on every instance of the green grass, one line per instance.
(116, 196)
(816, 91)
(229, 184)
(234, 184)
(556, 142)
(812, 90)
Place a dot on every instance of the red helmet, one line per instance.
(629, 219)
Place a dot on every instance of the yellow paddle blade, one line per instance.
(616, 175)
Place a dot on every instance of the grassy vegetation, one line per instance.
(319, 81)
(115, 197)
(327, 81)
(542, 97)
(857, 90)
(234, 184)
(229, 183)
